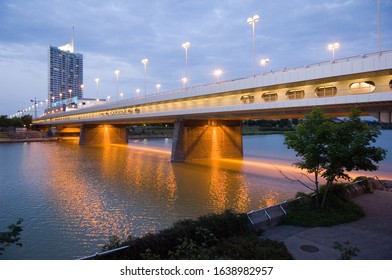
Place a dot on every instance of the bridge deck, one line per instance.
(362, 81)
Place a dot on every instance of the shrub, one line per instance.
(338, 209)
(217, 236)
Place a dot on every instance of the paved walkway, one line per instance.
(372, 234)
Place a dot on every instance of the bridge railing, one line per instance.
(232, 103)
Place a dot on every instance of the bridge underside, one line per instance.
(206, 139)
(91, 134)
(192, 139)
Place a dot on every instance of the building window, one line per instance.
(294, 94)
(269, 96)
(362, 87)
(326, 91)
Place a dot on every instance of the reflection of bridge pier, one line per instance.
(91, 134)
(205, 139)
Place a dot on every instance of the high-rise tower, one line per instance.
(65, 74)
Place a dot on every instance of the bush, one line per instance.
(337, 209)
(11, 236)
(218, 236)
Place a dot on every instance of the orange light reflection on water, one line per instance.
(224, 185)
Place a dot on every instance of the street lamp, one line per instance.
(252, 22)
(137, 92)
(121, 95)
(61, 100)
(108, 99)
(264, 62)
(186, 47)
(145, 61)
(97, 82)
(217, 73)
(36, 102)
(70, 93)
(117, 72)
(332, 48)
(184, 80)
(158, 87)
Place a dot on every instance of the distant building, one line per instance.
(65, 74)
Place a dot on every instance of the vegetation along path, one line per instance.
(370, 236)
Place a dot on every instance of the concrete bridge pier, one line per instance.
(383, 116)
(205, 139)
(91, 134)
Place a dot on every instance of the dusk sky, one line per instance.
(118, 34)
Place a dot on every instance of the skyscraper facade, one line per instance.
(65, 75)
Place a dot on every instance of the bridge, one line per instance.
(207, 118)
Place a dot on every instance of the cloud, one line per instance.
(117, 34)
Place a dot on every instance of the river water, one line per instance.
(72, 198)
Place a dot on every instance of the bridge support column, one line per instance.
(384, 116)
(103, 134)
(204, 139)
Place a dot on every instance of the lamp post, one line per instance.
(217, 73)
(97, 82)
(332, 48)
(35, 101)
(137, 92)
(264, 62)
(252, 22)
(145, 61)
(184, 80)
(117, 73)
(186, 46)
(379, 27)
(158, 87)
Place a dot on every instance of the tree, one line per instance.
(331, 149)
(27, 120)
(4, 121)
(12, 236)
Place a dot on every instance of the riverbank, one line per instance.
(25, 136)
(28, 140)
(365, 236)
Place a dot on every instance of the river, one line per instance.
(73, 198)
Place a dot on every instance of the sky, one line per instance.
(118, 34)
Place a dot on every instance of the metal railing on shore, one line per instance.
(105, 253)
